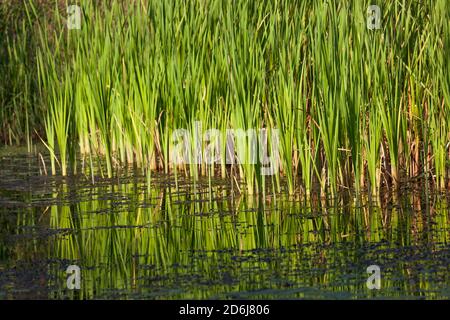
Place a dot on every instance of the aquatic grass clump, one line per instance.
(356, 108)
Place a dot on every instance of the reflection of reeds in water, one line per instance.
(356, 108)
(180, 245)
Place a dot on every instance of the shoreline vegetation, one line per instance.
(357, 109)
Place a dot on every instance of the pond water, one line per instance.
(176, 239)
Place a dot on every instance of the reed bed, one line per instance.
(356, 108)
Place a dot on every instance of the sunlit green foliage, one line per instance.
(356, 108)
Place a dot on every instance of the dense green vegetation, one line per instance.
(356, 108)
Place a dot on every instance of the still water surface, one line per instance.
(204, 241)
